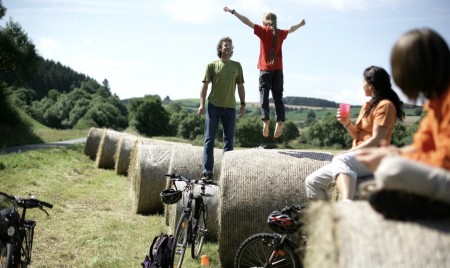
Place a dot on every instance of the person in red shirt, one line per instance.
(270, 64)
(413, 182)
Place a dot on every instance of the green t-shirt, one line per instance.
(223, 76)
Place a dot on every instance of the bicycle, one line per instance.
(192, 225)
(270, 250)
(16, 232)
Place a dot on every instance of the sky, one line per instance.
(150, 47)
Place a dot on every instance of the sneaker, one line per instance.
(399, 205)
(207, 176)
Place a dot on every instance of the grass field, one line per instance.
(91, 224)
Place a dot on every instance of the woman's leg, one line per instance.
(318, 183)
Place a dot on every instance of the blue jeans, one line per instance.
(213, 116)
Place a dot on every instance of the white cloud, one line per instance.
(48, 45)
(191, 11)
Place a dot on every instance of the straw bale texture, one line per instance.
(354, 235)
(255, 182)
(148, 165)
(123, 153)
(107, 149)
(93, 141)
(187, 161)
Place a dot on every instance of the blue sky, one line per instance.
(162, 47)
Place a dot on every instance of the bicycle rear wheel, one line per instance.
(180, 241)
(256, 251)
(199, 227)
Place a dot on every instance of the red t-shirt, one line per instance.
(265, 35)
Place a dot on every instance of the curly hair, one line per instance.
(219, 46)
(381, 81)
(420, 62)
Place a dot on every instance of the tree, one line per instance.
(148, 115)
(18, 58)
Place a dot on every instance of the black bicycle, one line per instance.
(192, 225)
(270, 250)
(16, 232)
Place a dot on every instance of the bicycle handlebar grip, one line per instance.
(45, 204)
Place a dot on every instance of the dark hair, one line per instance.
(420, 62)
(219, 46)
(270, 19)
(381, 81)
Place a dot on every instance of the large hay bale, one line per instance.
(187, 161)
(107, 149)
(93, 141)
(351, 235)
(148, 165)
(123, 154)
(255, 182)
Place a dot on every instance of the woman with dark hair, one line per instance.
(270, 64)
(413, 182)
(375, 123)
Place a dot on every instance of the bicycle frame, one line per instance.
(20, 232)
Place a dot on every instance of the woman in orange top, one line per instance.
(420, 62)
(376, 122)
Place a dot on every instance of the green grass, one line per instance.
(91, 224)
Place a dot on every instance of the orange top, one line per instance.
(384, 115)
(432, 139)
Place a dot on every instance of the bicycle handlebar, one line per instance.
(27, 202)
(178, 177)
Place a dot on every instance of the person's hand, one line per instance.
(242, 111)
(227, 9)
(371, 157)
(343, 120)
(302, 23)
(201, 110)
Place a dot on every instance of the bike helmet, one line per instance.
(170, 196)
(281, 223)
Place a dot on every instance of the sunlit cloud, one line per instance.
(191, 11)
(48, 45)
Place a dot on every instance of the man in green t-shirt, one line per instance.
(224, 74)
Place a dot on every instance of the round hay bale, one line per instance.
(148, 165)
(354, 235)
(187, 161)
(123, 154)
(93, 141)
(255, 182)
(107, 149)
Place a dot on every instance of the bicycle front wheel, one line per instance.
(258, 251)
(6, 255)
(199, 227)
(180, 241)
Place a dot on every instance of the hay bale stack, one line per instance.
(255, 182)
(93, 141)
(187, 161)
(107, 149)
(354, 235)
(148, 164)
(123, 154)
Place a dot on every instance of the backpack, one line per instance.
(160, 253)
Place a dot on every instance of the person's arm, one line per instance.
(296, 26)
(203, 90)
(242, 18)
(379, 133)
(241, 93)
